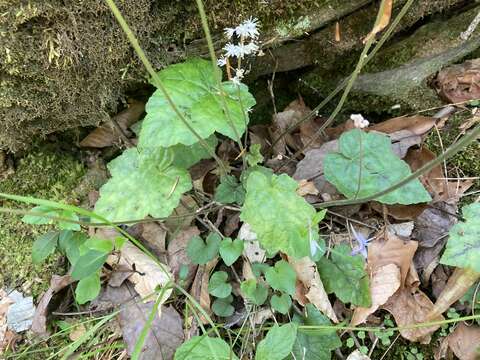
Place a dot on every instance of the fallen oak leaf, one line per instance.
(411, 306)
(148, 275)
(391, 249)
(311, 286)
(464, 341)
(107, 134)
(384, 282)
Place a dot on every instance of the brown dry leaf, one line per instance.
(400, 212)
(5, 303)
(306, 188)
(200, 287)
(387, 248)
(464, 341)
(461, 82)
(416, 125)
(166, 331)
(108, 134)
(385, 16)
(183, 214)
(177, 254)
(294, 112)
(384, 282)
(39, 323)
(313, 290)
(308, 129)
(148, 275)
(411, 306)
(310, 168)
(431, 232)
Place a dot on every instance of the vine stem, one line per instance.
(157, 82)
(452, 150)
(342, 85)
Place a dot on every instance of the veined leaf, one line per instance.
(278, 343)
(282, 277)
(317, 344)
(230, 191)
(366, 164)
(281, 303)
(43, 246)
(139, 188)
(193, 88)
(218, 285)
(88, 288)
(281, 218)
(48, 211)
(255, 292)
(230, 250)
(345, 276)
(88, 263)
(204, 348)
(463, 246)
(70, 242)
(223, 307)
(201, 252)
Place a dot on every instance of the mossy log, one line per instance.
(398, 78)
(65, 64)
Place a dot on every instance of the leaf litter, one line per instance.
(356, 275)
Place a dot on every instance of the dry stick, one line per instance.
(208, 36)
(136, 46)
(334, 93)
(452, 150)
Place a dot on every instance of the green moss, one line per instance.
(46, 174)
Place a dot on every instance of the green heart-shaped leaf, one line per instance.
(282, 277)
(230, 250)
(140, 187)
(366, 164)
(463, 246)
(205, 348)
(281, 303)
(278, 343)
(281, 218)
(223, 307)
(218, 285)
(345, 275)
(254, 292)
(230, 191)
(201, 252)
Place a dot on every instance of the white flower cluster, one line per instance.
(247, 44)
(359, 121)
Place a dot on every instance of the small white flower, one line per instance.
(248, 28)
(229, 32)
(236, 80)
(250, 48)
(232, 50)
(222, 61)
(359, 121)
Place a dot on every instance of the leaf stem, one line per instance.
(157, 82)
